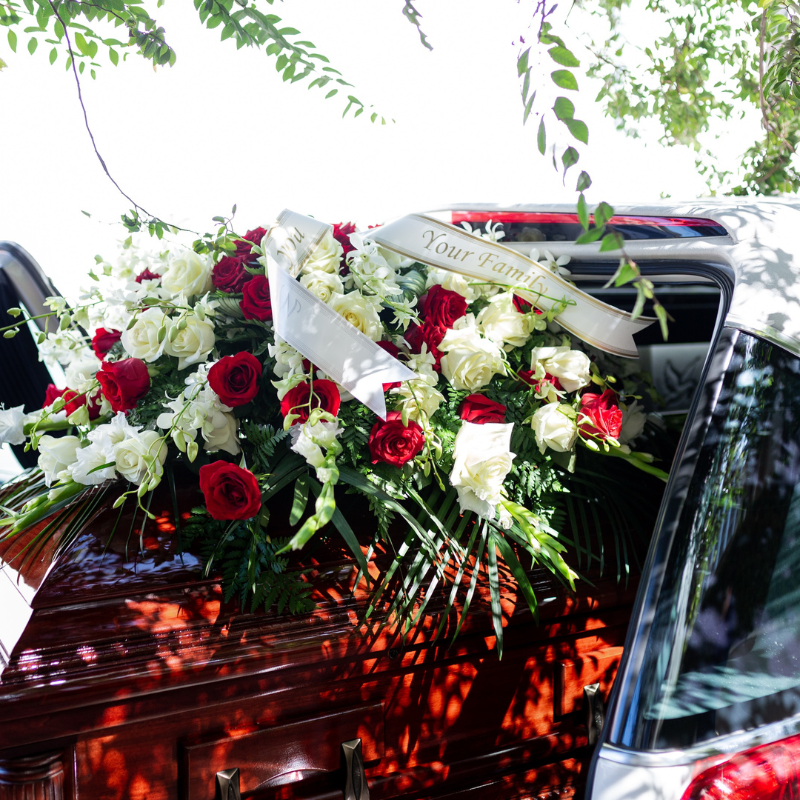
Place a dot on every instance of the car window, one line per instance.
(723, 654)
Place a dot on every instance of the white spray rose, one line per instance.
(470, 360)
(12, 421)
(554, 429)
(141, 341)
(79, 375)
(360, 312)
(501, 322)
(633, 421)
(192, 344)
(188, 274)
(482, 460)
(56, 456)
(220, 433)
(137, 453)
(571, 367)
(326, 257)
(322, 284)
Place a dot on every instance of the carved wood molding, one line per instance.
(38, 777)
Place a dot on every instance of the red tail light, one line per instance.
(769, 772)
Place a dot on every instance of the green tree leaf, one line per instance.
(32, 44)
(12, 41)
(564, 79)
(578, 129)
(541, 137)
(564, 108)
(563, 56)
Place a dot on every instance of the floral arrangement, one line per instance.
(172, 357)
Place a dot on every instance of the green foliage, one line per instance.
(247, 562)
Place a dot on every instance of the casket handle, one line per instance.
(354, 778)
(227, 783)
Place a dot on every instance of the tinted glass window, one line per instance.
(723, 654)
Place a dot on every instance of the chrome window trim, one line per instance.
(721, 746)
(764, 332)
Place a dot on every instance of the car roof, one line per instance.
(762, 248)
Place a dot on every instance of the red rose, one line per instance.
(104, 340)
(604, 415)
(124, 382)
(255, 236)
(52, 394)
(229, 274)
(393, 350)
(230, 491)
(235, 378)
(523, 306)
(296, 401)
(74, 401)
(257, 303)
(147, 275)
(341, 232)
(394, 443)
(442, 307)
(480, 409)
(430, 335)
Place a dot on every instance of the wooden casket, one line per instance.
(124, 674)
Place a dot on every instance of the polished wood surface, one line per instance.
(123, 660)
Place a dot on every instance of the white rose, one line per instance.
(141, 341)
(188, 274)
(633, 421)
(360, 313)
(192, 344)
(220, 433)
(554, 429)
(323, 284)
(419, 398)
(80, 373)
(501, 321)
(138, 452)
(482, 460)
(453, 282)
(12, 421)
(326, 257)
(56, 456)
(571, 367)
(470, 361)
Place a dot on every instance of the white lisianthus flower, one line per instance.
(470, 360)
(360, 312)
(56, 456)
(12, 421)
(326, 257)
(422, 363)
(554, 429)
(418, 398)
(571, 367)
(501, 322)
(322, 284)
(80, 373)
(482, 459)
(188, 274)
(369, 271)
(310, 439)
(633, 421)
(220, 433)
(192, 344)
(453, 282)
(140, 453)
(141, 341)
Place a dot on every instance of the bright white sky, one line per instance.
(221, 128)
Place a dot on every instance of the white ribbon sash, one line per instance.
(353, 360)
(438, 244)
(314, 329)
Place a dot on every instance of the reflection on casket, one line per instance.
(124, 674)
